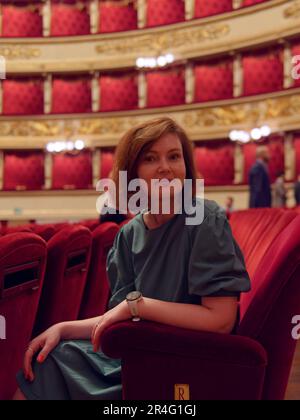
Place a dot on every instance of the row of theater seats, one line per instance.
(45, 283)
(70, 17)
(41, 284)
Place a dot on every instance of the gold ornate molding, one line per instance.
(158, 43)
(11, 52)
(292, 11)
(280, 110)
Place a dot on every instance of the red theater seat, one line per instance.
(44, 231)
(22, 268)
(97, 291)
(254, 363)
(68, 261)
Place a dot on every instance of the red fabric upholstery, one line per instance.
(106, 164)
(117, 16)
(163, 12)
(254, 364)
(297, 153)
(296, 51)
(44, 231)
(23, 170)
(213, 80)
(255, 230)
(22, 21)
(252, 2)
(67, 264)
(267, 311)
(165, 87)
(97, 290)
(215, 162)
(69, 18)
(90, 224)
(71, 94)
(263, 71)
(17, 229)
(119, 91)
(72, 171)
(23, 96)
(205, 8)
(276, 164)
(19, 297)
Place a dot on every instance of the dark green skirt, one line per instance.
(72, 371)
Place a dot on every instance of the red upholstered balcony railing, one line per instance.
(204, 8)
(23, 96)
(119, 91)
(163, 12)
(116, 16)
(106, 162)
(22, 20)
(71, 94)
(69, 17)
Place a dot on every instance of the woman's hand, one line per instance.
(117, 314)
(46, 341)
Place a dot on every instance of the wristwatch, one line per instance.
(132, 300)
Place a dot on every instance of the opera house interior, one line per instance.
(75, 77)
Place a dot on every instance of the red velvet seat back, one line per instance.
(256, 229)
(116, 16)
(267, 311)
(22, 269)
(44, 231)
(97, 291)
(68, 261)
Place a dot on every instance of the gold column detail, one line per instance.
(47, 93)
(46, 18)
(289, 157)
(189, 9)
(94, 16)
(1, 169)
(96, 166)
(287, 65)
(142, 87)
(237, 76)
(189, 83)
(238, 164)
(95, 92)
(48, 170)
(236, 4)
(141, 12)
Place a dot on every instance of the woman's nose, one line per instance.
(163, 166)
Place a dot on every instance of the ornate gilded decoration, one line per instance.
(194, 120)
(158, 43)
(19, 51)
(292, 11)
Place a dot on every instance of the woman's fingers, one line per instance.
(30, 352)
(48, 347)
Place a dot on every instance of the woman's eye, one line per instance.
(176, 156)
(149, 158)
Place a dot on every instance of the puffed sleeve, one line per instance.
(216, 265)
(119, 270)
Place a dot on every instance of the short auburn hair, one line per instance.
(138, 140)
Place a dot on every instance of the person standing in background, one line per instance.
(279, 193)
(259, 180)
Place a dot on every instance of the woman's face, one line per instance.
(164, 160)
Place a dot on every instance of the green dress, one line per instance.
(174, 262)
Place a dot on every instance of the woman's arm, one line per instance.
(215, 314)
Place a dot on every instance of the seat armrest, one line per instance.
(155, 357)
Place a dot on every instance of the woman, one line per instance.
(189, 276)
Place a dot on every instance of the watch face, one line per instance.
(133, 295)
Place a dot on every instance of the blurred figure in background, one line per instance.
(279, 192)
(259, 180)
(229, 205)
(297, 191)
